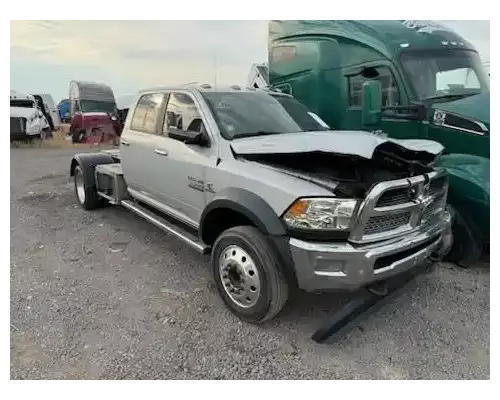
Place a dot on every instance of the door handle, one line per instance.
(161, 152)
(124, 142)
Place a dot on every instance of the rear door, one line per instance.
(138, 142)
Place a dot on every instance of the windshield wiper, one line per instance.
(450, 95)
(258, 133)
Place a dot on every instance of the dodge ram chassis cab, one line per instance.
(277, 198)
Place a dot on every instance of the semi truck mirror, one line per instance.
(372, 102)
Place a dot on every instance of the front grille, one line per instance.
(396, 207)
(383, 223)
(393, 197)
(434, 207)
(17, 125)
(404, 195)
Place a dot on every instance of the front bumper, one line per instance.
(345, 266)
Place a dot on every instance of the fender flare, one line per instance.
(88, 162)
(260, 213)
(248, 204)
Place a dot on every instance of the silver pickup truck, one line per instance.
(278, 199)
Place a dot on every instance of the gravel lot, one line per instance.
(105, 295)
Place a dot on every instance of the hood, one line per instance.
(475, 108)
(23, 112)
(355, 143)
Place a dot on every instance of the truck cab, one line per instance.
(432, 86)
(93, 111)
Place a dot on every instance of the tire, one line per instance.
(247, 249)
(86, 196)
(467, 245)
(78, 136)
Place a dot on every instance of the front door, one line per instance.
(187, 163)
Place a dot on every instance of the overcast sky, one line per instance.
(129, 55)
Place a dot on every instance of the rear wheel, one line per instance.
(247, 274)
(86, 195)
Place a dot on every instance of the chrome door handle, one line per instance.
(124, 142)
(161, 152)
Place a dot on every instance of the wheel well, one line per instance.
(220, 219)
(74, 163)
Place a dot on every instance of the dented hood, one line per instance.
(356, 143)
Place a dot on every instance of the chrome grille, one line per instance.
(383, 223)
(17, 125)
(393, 197)
(434, 207)
(396, 207)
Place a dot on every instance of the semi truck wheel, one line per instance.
(467, 244)
(86, 195)
(246, 273)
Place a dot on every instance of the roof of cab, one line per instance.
(196, 87)
(387, 37)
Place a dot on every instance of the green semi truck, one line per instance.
(404, 79)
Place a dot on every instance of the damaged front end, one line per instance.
(395, 183)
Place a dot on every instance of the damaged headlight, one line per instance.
(320, 214)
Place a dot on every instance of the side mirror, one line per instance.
(189, 137)
(372, 102)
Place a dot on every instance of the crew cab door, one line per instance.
(186, 163)
(143, 171)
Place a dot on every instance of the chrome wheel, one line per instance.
(239, 276)
(80, 188)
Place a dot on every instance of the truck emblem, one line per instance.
(439, 117)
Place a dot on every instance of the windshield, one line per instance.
(439, 73)
(244, 114)
(96, 106)
(22, 103)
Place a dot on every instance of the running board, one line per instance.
(167, 226)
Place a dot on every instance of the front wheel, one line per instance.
(247, 275)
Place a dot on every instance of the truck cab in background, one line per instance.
(429, 84)
(93, 111)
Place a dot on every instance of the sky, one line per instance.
(129, 55)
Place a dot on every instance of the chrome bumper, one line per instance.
(345, 266)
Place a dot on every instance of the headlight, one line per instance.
(113, 118)
(320, 214)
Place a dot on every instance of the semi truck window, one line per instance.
(147, 112)
(390, 93)
(182, 114)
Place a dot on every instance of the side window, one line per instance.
(181, 115)
(147, 112)
(390, 93)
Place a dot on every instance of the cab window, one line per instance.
(182, 115)
(147, 112)
(390, 93)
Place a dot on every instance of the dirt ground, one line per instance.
(105, 295)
